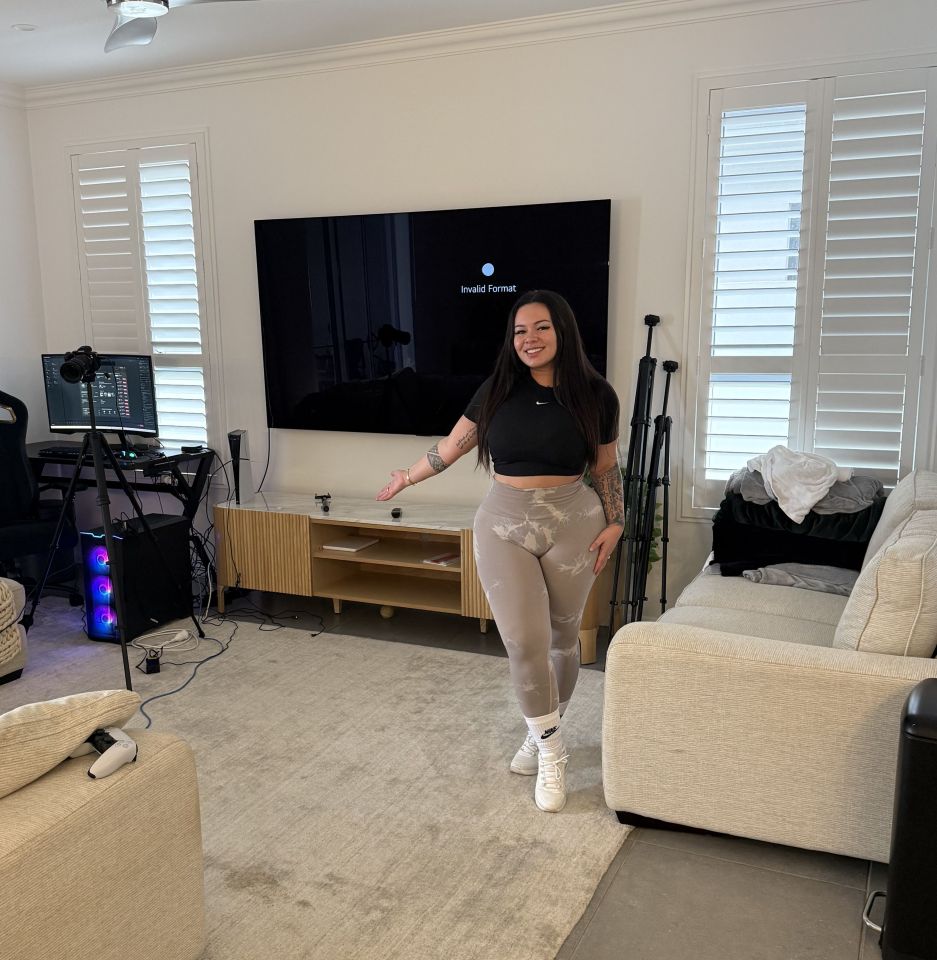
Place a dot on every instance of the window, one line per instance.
(140, 259)
(810, 292)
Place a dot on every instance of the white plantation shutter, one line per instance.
(139, 239)
(813, 275)
(108, 236)
(752, 290)
(180, 402)
(871, 318)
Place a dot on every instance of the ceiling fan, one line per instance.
(136, 20)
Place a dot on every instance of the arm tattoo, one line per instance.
(466, 441)
(433, 458)
(608, 486)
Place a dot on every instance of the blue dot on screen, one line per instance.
(488, 269)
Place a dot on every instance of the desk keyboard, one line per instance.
(70, 452)
(125, 462)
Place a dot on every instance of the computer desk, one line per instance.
(188, 490)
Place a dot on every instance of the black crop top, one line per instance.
(532, 434)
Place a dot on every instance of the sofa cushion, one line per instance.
(893, 606)
(745, 623)
(916, 491)
(736, 593)
(37, 736)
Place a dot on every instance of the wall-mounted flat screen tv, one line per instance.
(388, 323)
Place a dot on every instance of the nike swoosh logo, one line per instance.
(541, 403)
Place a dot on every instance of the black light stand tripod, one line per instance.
(661, 442)
(634, 473)
(84, 365)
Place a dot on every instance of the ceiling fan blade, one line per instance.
(130, 31)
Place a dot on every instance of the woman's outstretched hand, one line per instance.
(398, 480)
(604, 545)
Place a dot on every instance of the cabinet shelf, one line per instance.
(397, 553)
(396, 590)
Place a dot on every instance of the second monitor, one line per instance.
(123, 394)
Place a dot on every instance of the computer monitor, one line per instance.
(123, 394)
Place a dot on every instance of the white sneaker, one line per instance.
(526, 761)
(550, 793)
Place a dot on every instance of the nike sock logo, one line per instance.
(547, 733)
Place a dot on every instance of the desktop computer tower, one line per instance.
(909, 930)
(150, 598)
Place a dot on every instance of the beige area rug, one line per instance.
(356, 798)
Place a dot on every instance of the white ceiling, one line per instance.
(68, 42)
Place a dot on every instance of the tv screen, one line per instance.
(388, 323)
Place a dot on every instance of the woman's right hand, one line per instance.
(398, 480)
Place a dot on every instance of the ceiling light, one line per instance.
(140, 8)
(23, 27)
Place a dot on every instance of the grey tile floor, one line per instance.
(667, 895)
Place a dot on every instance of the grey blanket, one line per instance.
(807, 576)
(848, 496)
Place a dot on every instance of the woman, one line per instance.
(542, 417)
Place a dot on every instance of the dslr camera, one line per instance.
(80, 366)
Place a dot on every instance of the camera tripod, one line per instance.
(655, 478)
(641, 482)
(102, 457)
(634, 478)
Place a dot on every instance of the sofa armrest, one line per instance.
(783, 742)
(105, 869)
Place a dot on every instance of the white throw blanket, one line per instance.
(797, 480)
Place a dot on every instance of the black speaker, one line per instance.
(237, 444)
(153, 593)
(909, 930)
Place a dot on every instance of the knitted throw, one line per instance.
(10, 643)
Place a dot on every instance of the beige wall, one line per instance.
(21, 320)
(605, 116)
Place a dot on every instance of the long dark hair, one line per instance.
(574, 378)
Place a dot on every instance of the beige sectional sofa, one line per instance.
(773, 712)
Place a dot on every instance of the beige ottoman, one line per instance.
(12, 635)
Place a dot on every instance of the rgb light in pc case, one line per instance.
(100, 614)
(102, 623)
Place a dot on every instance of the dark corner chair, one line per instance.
(27, 522)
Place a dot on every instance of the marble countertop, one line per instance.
(423, 516)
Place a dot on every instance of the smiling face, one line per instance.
(535, 339)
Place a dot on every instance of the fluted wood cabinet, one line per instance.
(278, 542)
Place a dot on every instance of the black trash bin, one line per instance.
(909, 930)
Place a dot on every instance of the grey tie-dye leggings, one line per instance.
(532, 553)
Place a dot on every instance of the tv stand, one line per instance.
(277, 542)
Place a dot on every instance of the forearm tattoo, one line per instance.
(433, 458)
(608, 486)
(467, 439)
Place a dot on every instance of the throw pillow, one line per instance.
(916, 491)
(38, 736)
(893, 606)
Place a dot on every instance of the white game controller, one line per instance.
(115, 747)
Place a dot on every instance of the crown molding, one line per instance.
(12, 96)
(623, 17)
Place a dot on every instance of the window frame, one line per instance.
(197, 142)
(711, 90)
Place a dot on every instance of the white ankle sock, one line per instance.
(546, 733)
